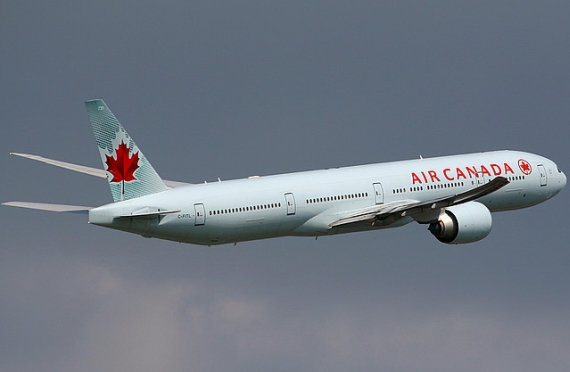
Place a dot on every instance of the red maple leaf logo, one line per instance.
(123, 169)
(525, 167)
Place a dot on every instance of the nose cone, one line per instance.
(560, 180)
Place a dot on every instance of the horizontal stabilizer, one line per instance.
(50, 207)
(97, 172)
(74, 167)
(150, 212)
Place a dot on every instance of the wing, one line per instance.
(83, 169)
(421, 211)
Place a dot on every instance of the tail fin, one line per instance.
(129, 173)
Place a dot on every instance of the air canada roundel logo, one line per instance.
(525, 167)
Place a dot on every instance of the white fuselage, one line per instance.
(305, 203)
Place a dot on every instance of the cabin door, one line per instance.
(481, 179)
(200, 214)
(290, 201)
(542, 172)
(378, 193)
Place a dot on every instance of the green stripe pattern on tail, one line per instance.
(129, 173)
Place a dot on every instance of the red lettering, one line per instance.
(425, 178)
(445, 171)
(460, 173)
(415, 179)
(496, 169)
(485, 171)
(472, 172)
(508, 169)
(433, 176)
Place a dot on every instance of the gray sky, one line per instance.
(213, 89)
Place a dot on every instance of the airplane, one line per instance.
(453, 195)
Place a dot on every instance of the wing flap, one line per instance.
(372, 213)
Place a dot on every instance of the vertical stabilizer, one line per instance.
(129, 173)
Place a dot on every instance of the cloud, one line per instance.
(181, 324)
(211, 89)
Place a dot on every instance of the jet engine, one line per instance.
(463, 223)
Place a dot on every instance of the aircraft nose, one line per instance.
(561, 179)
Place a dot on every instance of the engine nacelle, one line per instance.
(463, 223)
